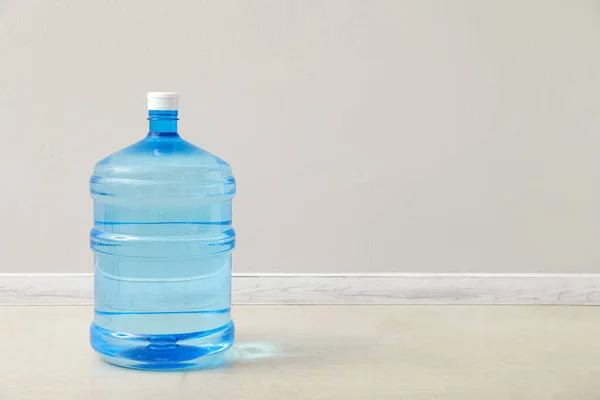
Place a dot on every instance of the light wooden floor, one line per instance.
(326, 352)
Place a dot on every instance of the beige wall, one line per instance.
(366, 136)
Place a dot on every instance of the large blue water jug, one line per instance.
(162, 243)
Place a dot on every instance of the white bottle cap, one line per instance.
(163, 100)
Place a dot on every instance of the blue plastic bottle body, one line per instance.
(162, 242)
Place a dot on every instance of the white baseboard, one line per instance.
(401, 288)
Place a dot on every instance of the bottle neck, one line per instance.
(163, 123)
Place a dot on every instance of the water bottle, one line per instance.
(162, 242)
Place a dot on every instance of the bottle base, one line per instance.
(192, 350)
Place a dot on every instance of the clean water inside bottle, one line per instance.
(162, 242)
